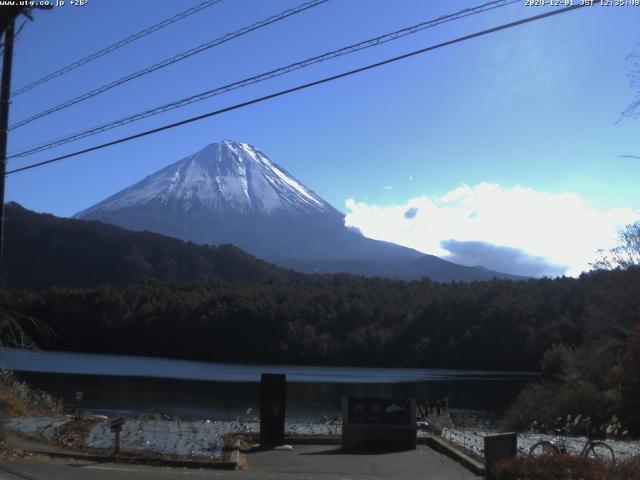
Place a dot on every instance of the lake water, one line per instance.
(187, 389)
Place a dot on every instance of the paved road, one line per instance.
(304, 462)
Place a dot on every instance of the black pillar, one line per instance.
(273, 392)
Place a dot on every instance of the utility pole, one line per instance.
(5, 99)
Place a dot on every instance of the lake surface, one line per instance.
(187, 389)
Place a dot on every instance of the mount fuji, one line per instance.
(231, 192)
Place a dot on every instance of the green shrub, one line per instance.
(627, 379)
(575, 382)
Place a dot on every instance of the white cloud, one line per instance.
(387, 187)
(557, 227)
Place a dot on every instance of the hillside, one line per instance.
(42, 250)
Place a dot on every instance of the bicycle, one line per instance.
(595, 449)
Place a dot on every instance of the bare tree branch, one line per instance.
(14, 328)
(626, 254)
(633, 73)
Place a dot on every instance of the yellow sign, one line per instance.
(79, 396)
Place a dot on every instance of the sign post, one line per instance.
(79, 398)
(273, 394)
(116, 427)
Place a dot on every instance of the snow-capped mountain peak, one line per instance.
(231, 192)
(223, 176)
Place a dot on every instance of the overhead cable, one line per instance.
(300, 87)
(115, 46)
(264, 76)
(169, 61)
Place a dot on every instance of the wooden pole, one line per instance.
(5, 99)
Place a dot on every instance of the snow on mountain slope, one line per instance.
(222, 176)
(232, 193)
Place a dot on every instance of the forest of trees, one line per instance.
(597, 377)
(501, 324)
(577, 330)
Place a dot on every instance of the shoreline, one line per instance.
(118, 365)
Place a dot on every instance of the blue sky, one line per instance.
(521, 126)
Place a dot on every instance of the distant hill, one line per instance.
(42, 251)
(428, 266)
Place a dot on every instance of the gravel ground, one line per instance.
(40, 427)
(195, 439)
(204, 438)
(474, 441)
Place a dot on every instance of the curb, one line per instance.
(465, 460)
(303, 439)
(313, 440)
(231, 464)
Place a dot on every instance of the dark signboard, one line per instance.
(498, 447)
(273, 392)
(380, 411)
(116, 424)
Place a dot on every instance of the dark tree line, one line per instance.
(499, 324)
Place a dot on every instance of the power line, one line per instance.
(115, 46)
(170, 61)
(24, 22)
(265, 76)
(15, 37)
(301, 87)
